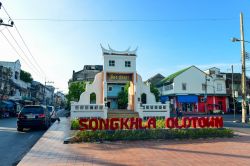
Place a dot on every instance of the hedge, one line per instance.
(107, 135)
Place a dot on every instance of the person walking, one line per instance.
(177, 111)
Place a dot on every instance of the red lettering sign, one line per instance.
(124, 123)
(151, 123)
(186, 122)
(170, 123)
(83, 125)
(137, 123)
(195, 122)
(115, 124)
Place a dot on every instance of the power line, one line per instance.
(41, 71)
(29, 51)
(10, 20)
(3, 28)
(125, 20)
(16, 51)
(6, 11)
(23, 51)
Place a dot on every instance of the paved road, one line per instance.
(14, 145)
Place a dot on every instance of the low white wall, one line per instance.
(154, 110)
(88, 111)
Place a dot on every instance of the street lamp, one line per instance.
(234, 39)
(243, 60)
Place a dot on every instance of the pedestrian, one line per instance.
(177, 112)
(180, 114)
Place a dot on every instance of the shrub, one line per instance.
(160, 124)
(75, 124)
(107, 135)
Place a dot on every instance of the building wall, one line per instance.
(194, 78)
(95, 87)
(119, 63)
(116, 88)
(15, 67)
(195, 81)
(120, 74)
(139, 89)
(144, 88)
(21, 89)
(87, 74)
(211, 100)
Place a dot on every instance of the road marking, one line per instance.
(7, 128)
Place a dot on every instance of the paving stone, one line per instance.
(50, 150)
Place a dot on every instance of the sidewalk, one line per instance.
(50, 150)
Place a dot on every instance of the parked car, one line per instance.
(33, 116)
(53, 114)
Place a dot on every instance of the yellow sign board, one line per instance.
(119, 77)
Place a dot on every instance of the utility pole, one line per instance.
(243, 76)
(233, 89)
(10, 20)
(44, 92)
(205, 96)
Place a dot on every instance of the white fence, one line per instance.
(154, 110)
(88, 111)
(100, 111)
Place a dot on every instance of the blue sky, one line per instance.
(170, 34)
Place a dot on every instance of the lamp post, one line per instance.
(243, 60)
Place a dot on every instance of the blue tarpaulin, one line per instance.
(187, 99)
(163, 99)
(7, 104)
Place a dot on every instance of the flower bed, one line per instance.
(108, 135)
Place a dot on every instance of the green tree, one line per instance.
(75, 90)
(26, 76)
(155, 91)
(123, 97)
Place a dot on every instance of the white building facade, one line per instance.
(195, 91)
(21, 90)
(101, 96)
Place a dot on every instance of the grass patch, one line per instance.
(117, 135)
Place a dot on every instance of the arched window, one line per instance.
(143, 98)
(93, 98)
